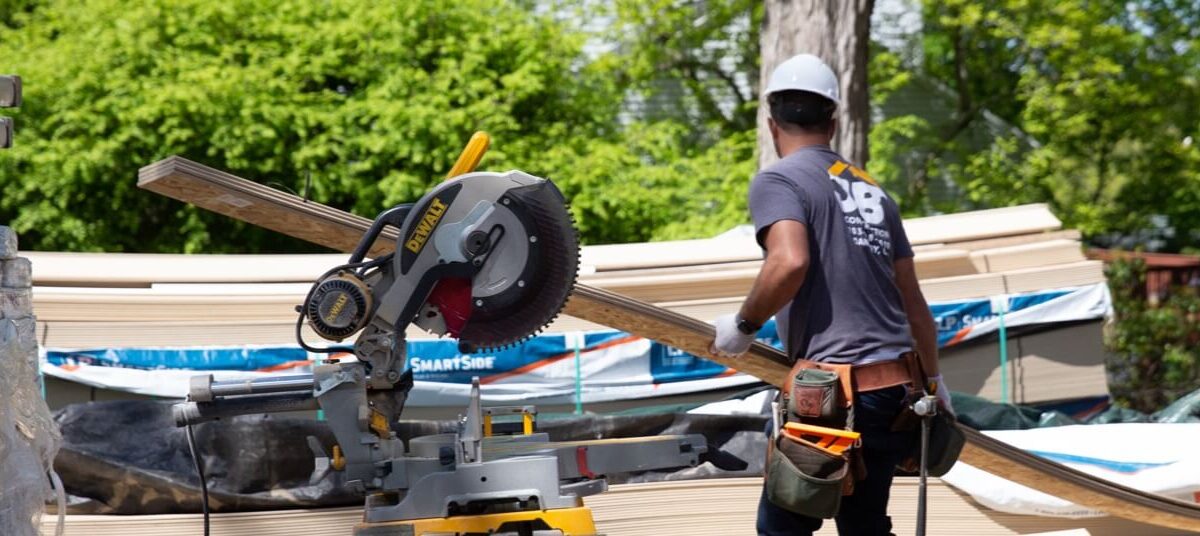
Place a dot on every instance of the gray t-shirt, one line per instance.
(849, 308)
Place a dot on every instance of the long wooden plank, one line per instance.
(771, 365)
(220, 192)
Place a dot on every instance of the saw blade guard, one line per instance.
(488, 258)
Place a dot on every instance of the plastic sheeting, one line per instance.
(1159, 458)
(982, 414)
(127, 457)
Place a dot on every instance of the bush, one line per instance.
(1155, 346)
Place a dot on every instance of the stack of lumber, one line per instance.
(138, 300)
(113, 299)
(724, 507)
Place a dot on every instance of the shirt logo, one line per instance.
(862, 205)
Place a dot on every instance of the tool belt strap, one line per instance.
(905, 370)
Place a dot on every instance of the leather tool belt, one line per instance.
(802, 477)
(905, 370)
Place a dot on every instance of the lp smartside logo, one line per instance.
(425, 227)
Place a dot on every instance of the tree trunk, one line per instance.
(838, 32)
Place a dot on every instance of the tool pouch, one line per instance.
(945, 439)
(815, 397)
(945, 443)
(804, 479)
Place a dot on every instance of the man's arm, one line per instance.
(782, 271)
(920, 320)
(778, 281)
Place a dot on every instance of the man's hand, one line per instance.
(730, 341)
(938, 387)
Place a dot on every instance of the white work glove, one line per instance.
(937, 386)
(730, 341)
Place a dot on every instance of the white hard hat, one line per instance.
(805, 72)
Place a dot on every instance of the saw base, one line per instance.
(559, 522)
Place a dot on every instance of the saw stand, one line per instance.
(470, 482)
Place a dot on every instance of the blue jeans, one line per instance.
(865, 512)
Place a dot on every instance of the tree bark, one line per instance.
(838, 32)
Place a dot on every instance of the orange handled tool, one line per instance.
(833, 440)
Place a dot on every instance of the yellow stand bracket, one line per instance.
(471, 154)
(528, 417)
(570, 521)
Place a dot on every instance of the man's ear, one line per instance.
(833, 127)
(773, 128)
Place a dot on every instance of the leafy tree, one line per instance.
(689, 61)
(1090, 107)
(1155, 354)
(654, 184)
(373, 100)
(369, 102)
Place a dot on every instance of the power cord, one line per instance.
(191, 440)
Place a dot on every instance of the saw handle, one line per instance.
(394, 216)
(469, 159)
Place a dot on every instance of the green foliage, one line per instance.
(374, 100)
(371, 100)
(1156, 346)
(1090, 107)
(654, 185)
(692, 62)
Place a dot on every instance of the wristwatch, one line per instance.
(746, 326)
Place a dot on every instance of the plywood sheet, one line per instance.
(944, 262)
(981, 224)
(1056, 276)
(1037, 254)
(1004, 241)
(964, 286)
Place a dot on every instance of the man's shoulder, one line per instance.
(805, 162)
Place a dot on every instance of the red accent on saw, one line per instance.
(452, 297)
(581, 463)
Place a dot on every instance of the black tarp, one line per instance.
(127, 457)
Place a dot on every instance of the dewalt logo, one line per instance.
(426, 225)
(336, 310)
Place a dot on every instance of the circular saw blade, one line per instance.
(538, 285)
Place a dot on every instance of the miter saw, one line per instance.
(486, 258)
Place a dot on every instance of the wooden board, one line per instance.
(771, 365)
(144, 269)
(944, 262)
(981, 224)
(963, 286)
(1057, 276)
(182, 179)
(1034, 255)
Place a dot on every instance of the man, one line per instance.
(838, 275)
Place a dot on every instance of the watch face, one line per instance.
(746, 327)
